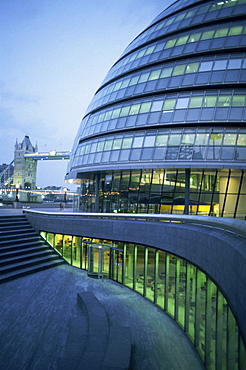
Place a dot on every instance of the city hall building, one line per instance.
(165, 137)
(165, 132)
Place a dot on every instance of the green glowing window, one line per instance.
(149, 141)
(202, 139)
(108, 144)
(145, 107)
(101, 116)
(154, 75)
(195, 37)
(166, 72)
(87, 148)
(116, 113)
(210, 101)
(117, 86)
(150, 50)
(192, 68)
(161, 140)
(134, 109)
(117, 143)
(221, 33)
(170, 44)
(188, 139)
(144, 77)
(134, 80)
(179, 70)
(236, 30)
(230, 139)
(215, 138)
(124, 111)
(182, 40)
(196, 102)
(140, 53)
(169, 104)
(100, 146)
(108, 115)
(224, 101)
(125, 83)
(127, 142)
(207, 35)
(174, 140)
(180, 17)
(189, 14)
(241, 139)
(238, 100)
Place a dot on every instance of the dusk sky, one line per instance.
(54, 56)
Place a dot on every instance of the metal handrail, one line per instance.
(232, 225)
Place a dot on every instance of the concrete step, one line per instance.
(15, 231)
(22, 249)
(27, 270)
(19, 241)
(11, 228)
(29, 263)
(19, 236)
(11, 223)
(30, 255)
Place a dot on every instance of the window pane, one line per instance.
(169, 104)
(166, 72)
(209, 101)
(108, 145)
(230, 139)
(207, 35)
(145, 107)
(205, 66)
(182, 103)
(237, 30)
(124, 111)
(182, 40)
(221, 33)
(234, 63)
(179, 70)
(170, 44)
(224, 101)
(161, 140)
(192, 68)
(238, 100)
(134, 109)
(127, 142)
(138, 142)
(117, 144)
(154, 75)
(144, 77)
(219, 64)
(149, 141)
(196, 101)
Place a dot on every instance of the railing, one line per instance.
(234, 226)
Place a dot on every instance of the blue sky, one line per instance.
(54, 56)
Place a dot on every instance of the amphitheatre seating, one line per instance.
(108, 347)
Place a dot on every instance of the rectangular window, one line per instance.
(138, 142)
(166, 72)
(154, 75)
(161, 140)
(100, 146)
(134, 109)
(182, 40)
(149, 141)
(169, 104)
(127, 142)
(179, 70)
(196, 102)
(157, 106)
(182, 103)
(221, 33)
(150, 50)
(124, 111)
(238, 100)
(144, 77)
(117, 143)
(133, 80)
(170, 44)
(145, 107)
(236, 30)
(116, 113)
(192, 68)
(195, 37)
(108, 144)
(224, 101)
(210, 101)
(205, 66)
(207, 35)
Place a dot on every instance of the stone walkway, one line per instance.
(36, 311)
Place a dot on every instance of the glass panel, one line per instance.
(145, 107)
(161, 140)
(182, 103)
(181, 291)
(230, 139)
(140, 278)
(134, 109)
(149, 141)
(192, 68)
(238, 100)
(171, 279)
(210, 101)
(137, 142)
(169, 104)
(154, 75)
(166, 72)
(179, 70)
(117, 144)
(150, 278)
(196, 101)
(205, 66)
(127, 142)
(129, 265)
(67, 248)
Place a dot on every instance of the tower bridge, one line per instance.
(22, 171)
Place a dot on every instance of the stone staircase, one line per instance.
(22, 250)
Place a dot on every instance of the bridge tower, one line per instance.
(25, 169)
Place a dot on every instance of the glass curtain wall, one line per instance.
(212, 192)
(179, 288)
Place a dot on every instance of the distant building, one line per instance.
(24, 168)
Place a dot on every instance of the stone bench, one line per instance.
(107, 347)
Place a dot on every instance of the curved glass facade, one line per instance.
(176, 100)
(175, 285)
